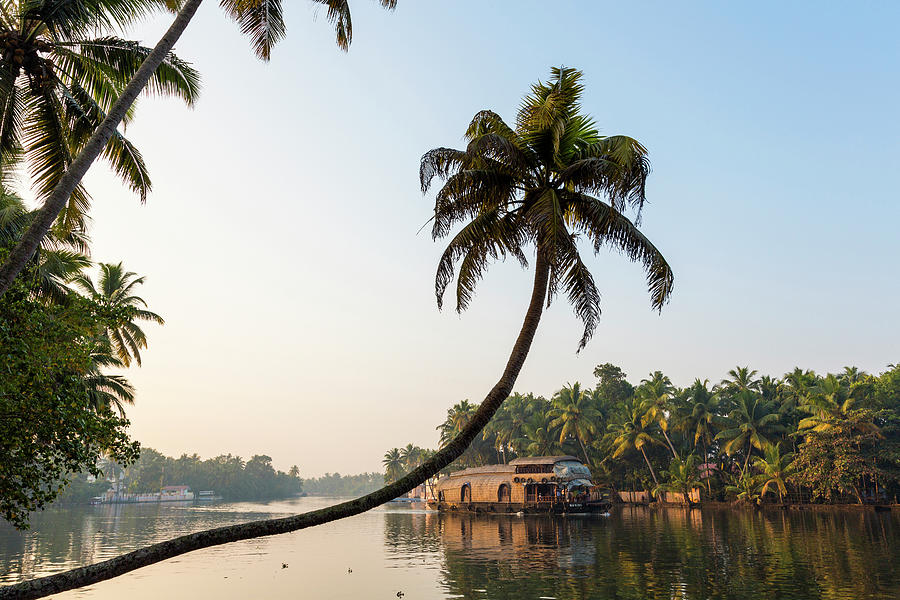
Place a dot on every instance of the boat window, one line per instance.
(441, 496)
(503, 493)
(465, 494)
(571, 469)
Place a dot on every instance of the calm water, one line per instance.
(634, 553)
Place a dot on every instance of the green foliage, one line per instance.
(832, 462)
(229, 476)
(681, 476)
(544, 184)
(58, 82)
(741, 439)
(50, 425)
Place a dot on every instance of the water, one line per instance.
(634, 553)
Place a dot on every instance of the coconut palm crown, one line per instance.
(117, 288)
(58, 80)
(547, 182)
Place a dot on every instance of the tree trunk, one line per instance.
(58, 198)
(671, 447)
(652, 474)
(53, 584)
(708, 473)
(747, 460)
(587, 461)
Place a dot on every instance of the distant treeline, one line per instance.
(335, 484)
(227, 475)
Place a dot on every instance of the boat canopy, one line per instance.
(571, 469)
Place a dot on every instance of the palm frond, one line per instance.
(109, 63)
(261, 20)
(73, 18)
(45, 137)
(84, 116)
(11, 112)
(606, 226)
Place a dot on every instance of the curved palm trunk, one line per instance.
(671, 447)
(747, 460)
(652, 474)
(37, 588)
(584, 450)
(57, 199)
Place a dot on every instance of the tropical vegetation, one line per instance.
(228, 475)
(62, 395)
(799, 438)
(529, 192)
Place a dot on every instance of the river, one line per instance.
(633, 553)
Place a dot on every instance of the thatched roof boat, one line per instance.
(528, 484)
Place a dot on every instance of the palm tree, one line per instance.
(116, 291)
(393, 465)
(655, 394)
(536, 184)
(539, 437)
(629, 433)
(411, 455)
(774, 468)
(741, 379)
(506, 426)
(99, 107)
(575, 415)
(703, 419)
(105, 390)
(752, 425)
(829, 402)
(682, 477)
(58, 81)
(59, 257)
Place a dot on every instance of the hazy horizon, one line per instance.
(281, 242)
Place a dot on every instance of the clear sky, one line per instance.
(281, 242)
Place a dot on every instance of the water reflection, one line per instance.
(671, 553)
(635, 553)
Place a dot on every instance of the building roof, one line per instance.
(541, 460)
(485, 469)
(480, 483)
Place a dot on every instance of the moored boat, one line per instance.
(548, 484)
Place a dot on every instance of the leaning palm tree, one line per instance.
(575, 416)
(106, 102)
(117, 291)
(534, 188)
(58, 81)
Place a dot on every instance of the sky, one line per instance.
(282, 240)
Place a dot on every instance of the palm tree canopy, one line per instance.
(547, 182)
(58, 82)
(117, 289)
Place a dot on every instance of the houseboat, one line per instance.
(547, 484)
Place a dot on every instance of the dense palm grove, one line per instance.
(803, 437)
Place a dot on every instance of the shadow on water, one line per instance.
(658, 553)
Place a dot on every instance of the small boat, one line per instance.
(537, 484)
